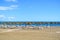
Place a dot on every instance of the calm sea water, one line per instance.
(35, 24)
(38, 25)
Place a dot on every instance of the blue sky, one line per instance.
(29, 10)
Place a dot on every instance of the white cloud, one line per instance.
(11, 18)
(14, 6)
(11, 7)
(5, 8)
(2, 16)
(8, 7)
(11, 0)
(8, 18)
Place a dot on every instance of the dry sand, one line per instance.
(52, 33)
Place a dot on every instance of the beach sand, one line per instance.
(52, 33)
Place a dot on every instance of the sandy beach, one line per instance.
(52, 33)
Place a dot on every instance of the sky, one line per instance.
(29, 10)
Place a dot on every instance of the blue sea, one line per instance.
(33, 24)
